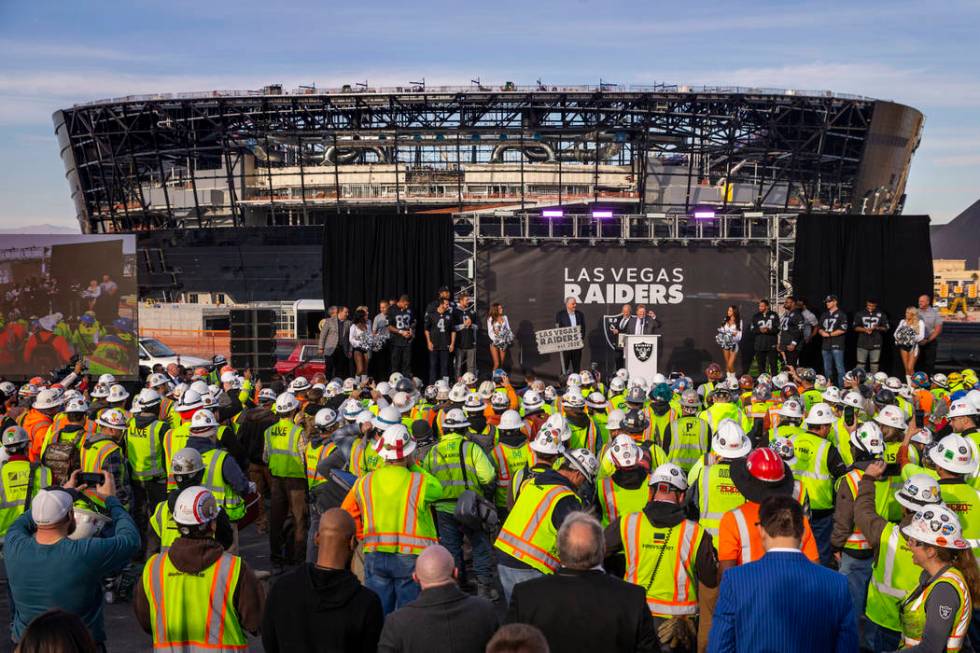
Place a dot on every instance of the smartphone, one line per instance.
(848, 415)
(90, 479)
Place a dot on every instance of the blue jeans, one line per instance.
(834, 358)
(510, 576)
(858, 574)
(876, 638)
(451, 534)
(823, 528)
(389, 575)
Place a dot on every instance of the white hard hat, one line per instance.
(76, 405)
(891, 416)
(585, 376)
(550, 393)
(200, 387)
(348, 385)
(7, 388)
(107, 379)
(729, 441)
(954, 454)
(88, 523)
(584, 461)
(623, 452)
(177, 391)
(403, 402)
(531, 400)
(325, 418)
(558, 421)
(869, 439)
(13, 436)
(791, 408)
(573, 379)
(959, 408)
(47, 398)
(820, 414)
(186, 461)
(469, 378)
(365, 417)
(454, 418)
(190, 399)
(892, 383)
(384, 388)
(973, 396)
(458, 393)
(396, 443)
(203, 423)
(853, 399)
(784, 447)
(299, 384)
(510, 421)
(617, 384)
(473, 403)
(228, 377)
(112, 418)
(148, 397)
(547, 441)
(657, 379)
(156, 379)
(573, 399)
(623, 373)
(690, 399)
(919, 491)
(333, 388)
(615, 419)
(832, 395)
(350, 409)
(499, 401)
(485, 390)
(266, 395)
(781, 380)
(936, 525)
(285, 403)
(922, 436)
(670, 474)
(879, 377)
(940, 380)
(388, 416)
(395, 377)
(195, 506)
(596, 401)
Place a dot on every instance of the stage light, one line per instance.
(602, 214)
(704, 215)
(684, 242)
(622, 242)
(552, 213)
(535, 242)
(655, 242)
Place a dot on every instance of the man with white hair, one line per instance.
(570, 316)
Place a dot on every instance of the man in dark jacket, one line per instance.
(443, 617)
(322, 606)
(254, 422)
(764, 327)
(564, 605)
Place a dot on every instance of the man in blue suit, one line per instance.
(783, 602)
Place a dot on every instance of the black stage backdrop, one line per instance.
(688, 288)
(861, 256)
(367, 258)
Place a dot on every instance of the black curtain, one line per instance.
(367, 258)
(860, 256)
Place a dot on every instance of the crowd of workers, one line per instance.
(384, 501)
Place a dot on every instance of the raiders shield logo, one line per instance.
(945, 611)
(642, 351)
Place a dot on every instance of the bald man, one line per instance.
(443, 617)
(322, 606)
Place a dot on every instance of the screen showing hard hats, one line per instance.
(67, 298)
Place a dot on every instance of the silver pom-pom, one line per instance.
(906, 336)
(502, 337)
(726, 340)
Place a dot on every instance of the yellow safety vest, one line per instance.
(528, 534)
(893, 576)
(914, 612)
(717, 495)
(811, 468)
(964, 500)
(661, 559)
(93, 456)
(617, 501)
(394, 511)
(174, 441)
(364, 457)
(689, 440)
(14, 479)
(144, 451)
(314, 455)
(856, 541)
(282, 443)
(163, 524)
(508, 460)
(214, 480)
(194, 612)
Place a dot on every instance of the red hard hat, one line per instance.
(746, 382)
(790, 391)
(765, 465)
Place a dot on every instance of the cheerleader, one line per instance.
(731, 332)
(359, 332)
(908, 339)
(498, 328)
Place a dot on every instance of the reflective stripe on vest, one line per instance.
(743, 536)
(285, 461)
(408, 540)
(314, 456)
(856, 540)
(685, 447)
(683, 595)
(521, 544)
(146, 462)
(711, 514)
(609, 499)
(214, 480)
(914, 613)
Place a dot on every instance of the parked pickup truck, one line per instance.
(303, 360)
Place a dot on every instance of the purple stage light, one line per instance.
(602, 214)
(704, 215)
(552, 213)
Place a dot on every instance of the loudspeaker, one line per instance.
(253, 342)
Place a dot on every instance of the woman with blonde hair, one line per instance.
(908, 334)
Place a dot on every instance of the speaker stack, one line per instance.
(253, 340)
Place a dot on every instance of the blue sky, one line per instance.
(53, 54)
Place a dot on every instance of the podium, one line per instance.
(640, 352)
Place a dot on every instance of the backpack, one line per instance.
(62, 458)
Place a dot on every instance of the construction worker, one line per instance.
(661, 415)
(459, 465)
(325, 424)
(532, 410)
(145, 435)
(102, 452)
(19, 478)
(713, 493)
(39, 417)
(195, 595)
(584, 432)
(788, 425)
(499, 403)
(690, 436)
(850, 546)
(949, 573)
(962, 418)
(721, 407)
(479, 430)
(392, 508)
(617, 393)
(625, 490)
(61, 450)
(527, 543)
(819, 465)
(223, 476)
(287, 467)
(894, 574)
(176, 438)
(809, 394)
(510, 454)
(544, 453)
(714, 374)
(597, 408)
(955, 463)
(668, 555)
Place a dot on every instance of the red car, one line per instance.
(303, 360)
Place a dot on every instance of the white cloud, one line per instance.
(64, 52)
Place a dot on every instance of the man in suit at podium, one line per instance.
(571, 361)
(642, 324)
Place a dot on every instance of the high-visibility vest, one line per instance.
(163, 524)
(443, 461)
(689, 440)
(144, 451)
(394, 514)
(364, 457)
(914, 612)
(584, 437)
(893, 576)
(714, 413)
(907, 408)
(856, 541)
(214, 480)
(811, 467)
(810, 397)
(194, 612)
(618, 401)
(282, 442)
(93, 456)
(528, 533)
(659, 425)
(508, 460)
(617, 501)
(314, 455)
(785, 431)
(175, 440)
(717, 495)
(14, 478)
(78, 436)
(671, 586)
(964, 500)
(166, 408)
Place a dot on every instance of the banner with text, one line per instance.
(687, 288)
